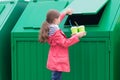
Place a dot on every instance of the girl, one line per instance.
(58, 57)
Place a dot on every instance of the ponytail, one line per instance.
(43, 34)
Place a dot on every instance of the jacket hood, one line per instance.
(52, 38)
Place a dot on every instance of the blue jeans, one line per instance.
(56, 75)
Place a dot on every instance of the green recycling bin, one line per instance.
(93, 58)
(10, 11)
(117, 51)
(30, 63)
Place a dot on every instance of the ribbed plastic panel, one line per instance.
(87, 58)
(30, 60)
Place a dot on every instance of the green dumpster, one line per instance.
(93, 58)
(10, 11)
(117, 51)
(27, 64)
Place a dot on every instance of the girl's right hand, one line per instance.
(81, 34)
(68, 11)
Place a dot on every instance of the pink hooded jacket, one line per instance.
(58, 57)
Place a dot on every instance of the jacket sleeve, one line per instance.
(62, 15)
(60, 39)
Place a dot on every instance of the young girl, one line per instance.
(58, 57)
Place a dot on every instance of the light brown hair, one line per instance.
(43, 34)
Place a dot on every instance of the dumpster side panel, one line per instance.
(29, 60)
(115, 38)
(89, 60)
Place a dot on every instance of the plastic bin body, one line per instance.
(90, 59)
(30, 67)
(115, 37)
(9, 14)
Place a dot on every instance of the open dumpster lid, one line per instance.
(86, 12)
(87, 6)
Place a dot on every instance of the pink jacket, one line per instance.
(58, 57)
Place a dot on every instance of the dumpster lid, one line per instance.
(2, 8)
(5, 8)
(3, 4)
(86, 6)
(39, 10)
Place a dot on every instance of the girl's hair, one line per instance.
(43, 34)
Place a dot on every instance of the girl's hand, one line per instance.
(81, 34)
(68, 11)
